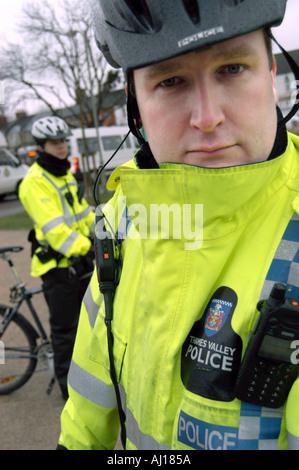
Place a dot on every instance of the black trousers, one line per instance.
(63, 292)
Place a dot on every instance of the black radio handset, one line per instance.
(105, 263)
(69, 197)
(107, 272)
(268, 369)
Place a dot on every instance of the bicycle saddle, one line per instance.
(15, 249)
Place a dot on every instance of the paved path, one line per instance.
(29, 418)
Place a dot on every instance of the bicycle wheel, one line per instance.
(19, 360)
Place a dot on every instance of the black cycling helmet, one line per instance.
(136, 33)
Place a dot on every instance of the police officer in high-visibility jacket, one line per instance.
(206, 219)
(61, 240)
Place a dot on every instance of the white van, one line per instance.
(11, 172)
(3, 142)
(109, 139)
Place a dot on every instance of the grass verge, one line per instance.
(23, 222)
(16, 222)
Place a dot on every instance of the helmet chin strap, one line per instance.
(133, 115)
(295, 69)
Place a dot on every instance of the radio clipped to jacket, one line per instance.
(270, 364)
(108, 267)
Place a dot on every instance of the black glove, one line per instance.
(84, 264)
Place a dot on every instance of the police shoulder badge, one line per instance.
(212, 351)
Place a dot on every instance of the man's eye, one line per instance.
(169, 82)
(233, 69)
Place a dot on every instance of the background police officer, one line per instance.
(61, 247)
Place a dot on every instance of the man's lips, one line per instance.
(212, 150)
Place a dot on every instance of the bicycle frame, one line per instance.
(24, 295)
(41, 353)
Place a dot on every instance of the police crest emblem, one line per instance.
(217, 314)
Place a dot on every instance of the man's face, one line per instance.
(58, 148)
(212, 108)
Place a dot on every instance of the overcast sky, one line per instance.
(287, 33)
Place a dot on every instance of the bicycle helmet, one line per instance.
(49, 128)
(133, 34)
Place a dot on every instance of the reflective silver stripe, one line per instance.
(293, 279)
(52, 224)
(139, 439)
(90, 387)
(286, 250)
(91, 307)
(69, 221)
(77, 217)
(66, 210)
(83, 214)
(66, 245)
(68, 218)
(66, 186)
(293, 441)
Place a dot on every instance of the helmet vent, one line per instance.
(141, 14)
(192, 9)
(233, 3)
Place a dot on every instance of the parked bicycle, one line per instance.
(23, 345)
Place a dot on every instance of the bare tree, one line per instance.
(58, 61)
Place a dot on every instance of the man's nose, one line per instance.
(206, 107)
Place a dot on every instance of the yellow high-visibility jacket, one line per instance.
(57, 223)
(172, 277)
